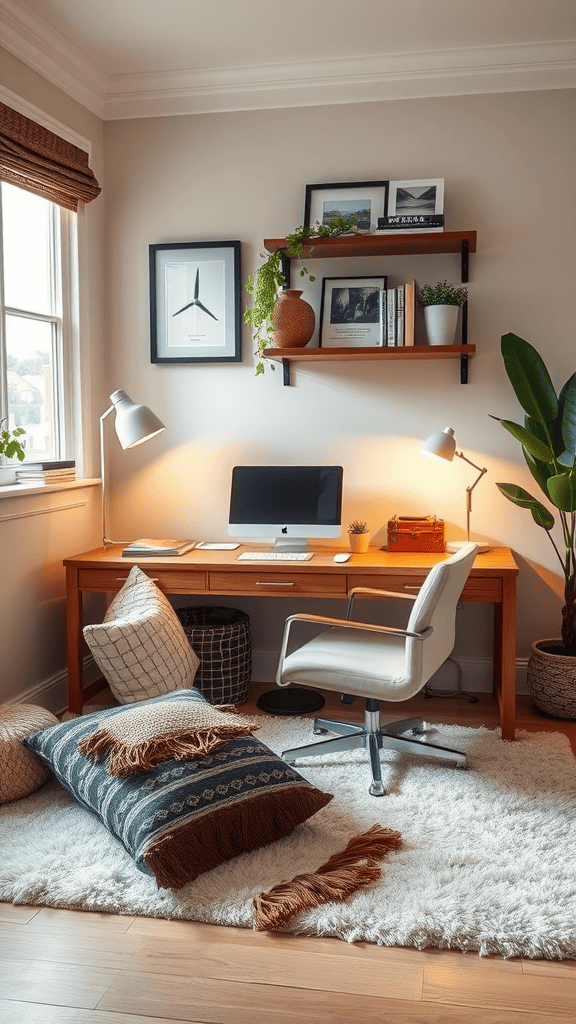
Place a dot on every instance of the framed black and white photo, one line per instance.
(365, 200)
(423, 197)
(195, 314)
(351, 312)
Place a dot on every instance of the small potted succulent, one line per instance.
(10, 448)
(358, 536)
(441, 303)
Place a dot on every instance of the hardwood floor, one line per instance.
(67, 967)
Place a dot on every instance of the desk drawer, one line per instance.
(476, 588)
(170, 581)
(264, 582)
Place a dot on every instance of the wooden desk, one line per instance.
(492, 579)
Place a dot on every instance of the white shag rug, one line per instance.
(488, 861)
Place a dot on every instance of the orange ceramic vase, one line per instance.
(293, 320)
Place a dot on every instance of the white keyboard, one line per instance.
(275, 556)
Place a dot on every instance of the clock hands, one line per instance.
(196, 300)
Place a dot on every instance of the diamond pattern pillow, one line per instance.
(182, 818)
(141, 647)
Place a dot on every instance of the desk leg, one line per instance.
(74, 639)
(505, 658)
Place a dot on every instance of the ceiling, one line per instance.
(135, 58)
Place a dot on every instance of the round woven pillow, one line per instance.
(21, 772)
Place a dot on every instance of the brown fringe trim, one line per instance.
(224, 833)
(336, 880)
(132, 758)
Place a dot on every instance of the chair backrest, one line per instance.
(435, 606)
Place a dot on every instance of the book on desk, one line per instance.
(157, 548)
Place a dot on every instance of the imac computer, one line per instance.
(290, 504)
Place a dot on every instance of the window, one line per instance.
(39, 276)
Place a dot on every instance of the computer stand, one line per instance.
(290, 700)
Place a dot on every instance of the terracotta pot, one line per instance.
(293, 320)
(551, 678)
(359, 542)
(441, 322)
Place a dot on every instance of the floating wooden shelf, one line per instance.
(431, 243)
(332, 355)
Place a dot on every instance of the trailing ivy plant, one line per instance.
(263, 285)
(10, 446)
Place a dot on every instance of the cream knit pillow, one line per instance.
(141, 647)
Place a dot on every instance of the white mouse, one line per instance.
(343, 557)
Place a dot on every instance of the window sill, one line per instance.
(23, 490)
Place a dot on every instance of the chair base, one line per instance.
(373, 736)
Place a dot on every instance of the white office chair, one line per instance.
(380, 663)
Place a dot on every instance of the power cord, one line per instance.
(429, 691)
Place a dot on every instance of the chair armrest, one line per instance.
(325, 620)
(373, 592)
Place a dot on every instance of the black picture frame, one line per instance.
(199, 282)
(350, 196)
(351, 312)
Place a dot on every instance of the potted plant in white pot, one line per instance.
(548, 440)
(358, 536)
(441, 303)
(10, 448)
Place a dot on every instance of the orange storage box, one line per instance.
(416, 533)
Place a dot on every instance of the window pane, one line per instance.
(29, 360)
(26, 231)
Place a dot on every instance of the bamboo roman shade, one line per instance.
(36, 159)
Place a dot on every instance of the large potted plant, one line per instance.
(548, 440)
(441, 303)
(10, 448)
(266, 284)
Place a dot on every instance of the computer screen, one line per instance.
(289, 504)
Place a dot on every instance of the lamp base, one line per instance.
(455, 545)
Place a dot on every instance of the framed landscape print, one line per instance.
(195, 302)
(366, 200)
(351, 312)
(424, 197)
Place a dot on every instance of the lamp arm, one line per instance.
(105, 538)
(470, 488)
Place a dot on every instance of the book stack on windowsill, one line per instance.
(46, 472)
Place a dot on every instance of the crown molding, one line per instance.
(451, 72)
(33, 40)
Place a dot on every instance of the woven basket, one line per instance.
(221, 639)
(551, 679)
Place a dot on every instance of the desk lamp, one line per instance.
(134, 425)
(442, 446)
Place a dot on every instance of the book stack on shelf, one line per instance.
(410, 224)
(47, 472)
(399, 306)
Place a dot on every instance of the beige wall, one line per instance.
(508, 165)
(37, 532)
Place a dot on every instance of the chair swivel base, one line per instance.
(374, 737)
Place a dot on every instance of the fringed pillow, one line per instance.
(182, 818)
(147, 734)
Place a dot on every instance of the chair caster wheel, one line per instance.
(377, 789)
(320, 732)
(420, 730)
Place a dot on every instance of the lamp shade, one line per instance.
(441, 445)
(134, 423)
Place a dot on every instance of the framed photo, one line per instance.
(366, 200)
(195, 314)
(423, 197)
(351, 312)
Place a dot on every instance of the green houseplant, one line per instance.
(548, 440)
(10, 446)
(358, 535)
(265, 283)
(441, 303)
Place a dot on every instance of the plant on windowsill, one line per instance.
(265, 284)
(358, 535)
(441, 303)
(548, 440)
(10, 448)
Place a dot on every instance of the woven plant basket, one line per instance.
(221, 639)
(551, 679)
